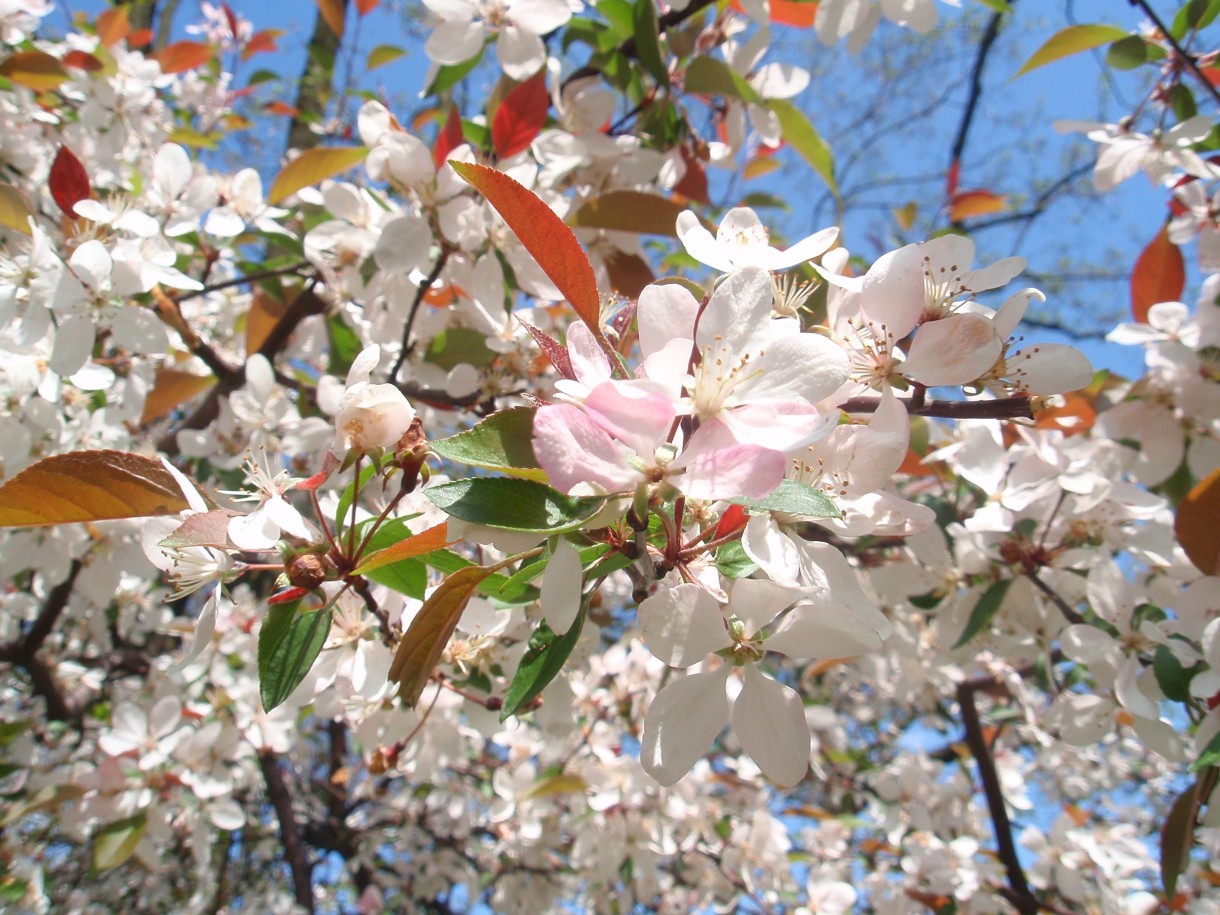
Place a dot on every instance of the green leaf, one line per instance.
(494, 585)
(543, 659)
(733, 562)
(288, 644)
(383, 54)
(345, 344)
(500, 442)
(9, 730)
(984, 610)
(998, 6)
(1194, 15)
(1208, 756)
(804, 138)
(1069, 41)
(531, 570)
(796, 499)
(450, 75)
(648, 40)
(455, 346)
(1171, 676)
(115, 842)
(710, 76)
(519, 505)
(1182, 100)
(620, 15)
(1127, 53)
(1177, 837)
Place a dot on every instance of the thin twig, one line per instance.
(295, 852)
(432, 277)
(1019, 407)
(1188, 59)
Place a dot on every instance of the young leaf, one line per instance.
(711, 76)
(1171, 676)
(429, 633)
(115, 842)
(35, 70)
(519, 505)
(499, 442)
(1069, 41)
(434, 538)
(630, 211)
(1159, 275)
(543, 659)
(15, 209)
(89, 486)
(648, 40)
(968, 204)
(520, 116)
(383, 54)
(804, 138)
(1177, 837)
(312, 166)
(794, 498)
(544, 236)
(984, 610)
(555, 351)
(68, 181)
(449, 138)
(1197, 524)
(288, 644)
(113, 25)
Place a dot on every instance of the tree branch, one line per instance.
(1020, 407)
(295, 852)
(1188, 59)
(24, 653)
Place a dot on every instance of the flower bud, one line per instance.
(372, 416)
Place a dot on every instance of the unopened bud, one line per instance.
(308, 570)
(410, 454)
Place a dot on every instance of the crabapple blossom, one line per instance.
(370, 416)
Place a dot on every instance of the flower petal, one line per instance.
(561, 587)
(682, 722)
(682, 625)
(769, 720)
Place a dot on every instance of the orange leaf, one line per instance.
(261, 41)
(1197, 524)
(1159, 275)
(113, 26)
(520, 116)
(364, 7)
(278, 107)
(799, 15)
(140, 38)
(759, 166)
(89, 486)
(35, 70)
(332, 11)
(1075, 416)
(15, 209)
(543, 235)
(265, 312)
(429, 633)
(434, 538)
(966, 204)
(184, 55)
(170, 389)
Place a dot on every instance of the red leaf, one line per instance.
(230, 17)
(554, 350)
(288, 594)
(329, 463)
(520, 116)
(113, 26)
(545, 237)
(450, 137)
(693, 185)
(264, 40)
(955, 171)
(69, 182)
(81, 60)
(140, 38)
(734, 516)
(364, 7)
(1159, 275)
(184, 55)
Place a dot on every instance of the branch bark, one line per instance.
(1020, 407)
(315, 86)
(295, 852)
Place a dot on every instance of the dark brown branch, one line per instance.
(295, 852)
(433, 275)
(1005, 408)
(1056, 598)
(24, 653)
(976, 87)
(1187, 59)
(243, 280)
(1021, 896)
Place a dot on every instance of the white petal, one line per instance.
(140, 331)
(665, 313)
(73, 344)
(769, 720)
(205, 626)
(561, 587)
(757, 601)
(403, 245)
(226, 814)
(955, 350)
(819, 631)
(521, 52)
(700, 244)
(682, 625)
(682, 722)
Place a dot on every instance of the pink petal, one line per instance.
(572, 449)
